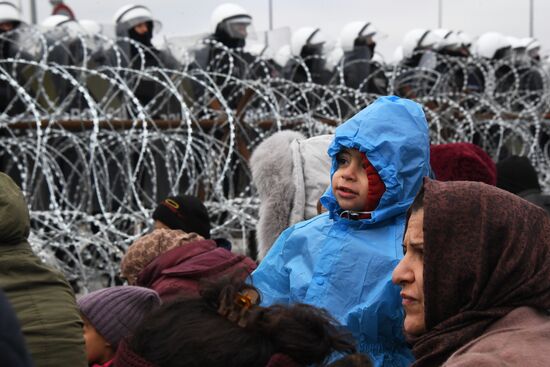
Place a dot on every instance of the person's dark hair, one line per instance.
(192, 332)
(353, 360)
(418, 202)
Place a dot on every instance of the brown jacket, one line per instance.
(521, 338)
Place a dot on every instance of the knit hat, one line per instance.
(462, 162)
(145, 249)
(517, 174)
(115, 311)
(186, 212)
(376, 185)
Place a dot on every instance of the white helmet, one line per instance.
(229, 12)
(489, 43)
(530, 43)
(282, 55)
(465, 39)
(59, 26)
(353, 30)
(334, 57)
(10, 12)
(90, 27)
(515, 42)
(55, 21)
(419, 38)
(397, 54)
(305, 36)
(446, 39)
(131, 15)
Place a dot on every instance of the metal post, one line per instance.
(33, 12)
(270, 15)
(531, 18)
(440, 14)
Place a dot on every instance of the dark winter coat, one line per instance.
(41, 297)
(12, 344)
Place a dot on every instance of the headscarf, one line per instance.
(486, 252)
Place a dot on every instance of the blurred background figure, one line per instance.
(517, 175)
(282, 55)
(532, 47)
(419, 47)
(229, 24)
(525, 59)
(60, 8)
(91, 27)
(357, 66)
(62, 34)
(308, 63)
(11, 22)
(453, 63)
(453, 43)
(223, 53)
(462, 162)
(10, 19)
(137, 23)
(493, 46)
(135, 26)
(418, 76)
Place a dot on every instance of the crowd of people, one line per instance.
(375, 247)
(414, 258)
(449, 61)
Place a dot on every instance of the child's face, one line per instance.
(98, 350)
(350, 183)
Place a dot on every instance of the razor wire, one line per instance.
(94, 159)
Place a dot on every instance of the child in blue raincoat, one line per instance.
(342, 260)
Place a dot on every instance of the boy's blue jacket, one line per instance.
(345, 266)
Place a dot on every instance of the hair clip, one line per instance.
(244, 300)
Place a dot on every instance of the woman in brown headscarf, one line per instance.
(476, 277)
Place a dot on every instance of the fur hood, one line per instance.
(290, 174)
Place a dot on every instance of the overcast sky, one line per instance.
(393, 18)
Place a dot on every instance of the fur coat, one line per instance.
(290, 174)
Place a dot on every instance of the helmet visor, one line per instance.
(237, 28)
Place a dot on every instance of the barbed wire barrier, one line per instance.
(94, 157)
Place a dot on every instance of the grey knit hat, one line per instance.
(114, 312)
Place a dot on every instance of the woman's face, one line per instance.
(409, 275)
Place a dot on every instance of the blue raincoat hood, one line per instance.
(393, 133)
